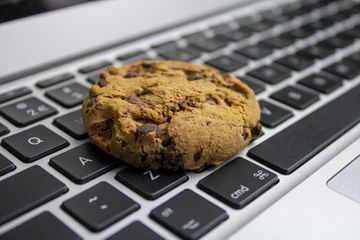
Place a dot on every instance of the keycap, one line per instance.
(296, 62)
(188, 215)
(355, 57)
(93, 79)
(270, 74)
(100, 206)
(338, 41)
(227, 63)
(181, 54)
(278, 42)
(69, 95)
(194, 37)
(135, 230)
(353, 33)
(238, 182)
(295, 97)
(322, 82)
(5, 165)
(27, 190)
(150, 184)
(55, 80)
(44, 226)
(272, 115)
(132, 56)
(317, 51)
(3, 129)
(14, 93)
(236, 34)
(296, 144)
(255, 52)
(209, 44)
(94, 67)
(346, 68)
(34, 143)
(245, 20)
(320, 24)
(27, 111)
(256, 87)
(83, 163)
(165, 46)
(301, 32)
(260, 26)
(73, 124)
(221, 28)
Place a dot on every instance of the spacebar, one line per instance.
(292, 147)
(26, 190)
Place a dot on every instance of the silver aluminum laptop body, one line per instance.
(318, 200)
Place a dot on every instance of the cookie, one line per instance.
(170, 115)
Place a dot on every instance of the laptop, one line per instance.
(300, 179)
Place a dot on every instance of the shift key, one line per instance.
(26, 190)
(238, 182)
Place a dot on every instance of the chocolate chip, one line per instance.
(197, 155)
(91, 102)
(256, 131)
(132, 74)
(102, 82)
(191, 104)
(194, 77)
(245, 134)
(136, 100)
(147, 65)
(149, 127)
(182, 106)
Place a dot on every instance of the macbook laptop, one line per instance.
(298, 180)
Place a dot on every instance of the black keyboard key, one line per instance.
(296, 144)
(227, 63)
(353, 33)
(296, 62)
(189, 215)
(236, 34)
(255, 52)
(135, 230)
(256, 87)
(132, 56)
(55, 80)
(270, 74)
(165, 46)
(44, 226)
(210, 44)
(317, 51)
(69, 95)
(295, 97)
(320, 24)
(355, 57)
(15, 93)
(73, 124)
(5, 165)
(150, 184)
(238, 182)
(93, 79)
(244, 21)
(301, 32)
(27, 111)
(181, 54)
(95, 67)
(83, 163)
(324, 83)
(279, 41)
(221, 28)
(346, 68)
(338, 41)
(34, 143)
(272, 115)
(100, 206)
(260, 26)
(194, 37)
(3, 129)
(27, 190)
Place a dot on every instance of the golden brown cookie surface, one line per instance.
(168, 114)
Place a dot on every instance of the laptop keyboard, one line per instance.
(256, 49)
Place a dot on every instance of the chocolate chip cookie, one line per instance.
(169, 114)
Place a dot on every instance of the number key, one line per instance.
(27, 111)
(69, 95)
